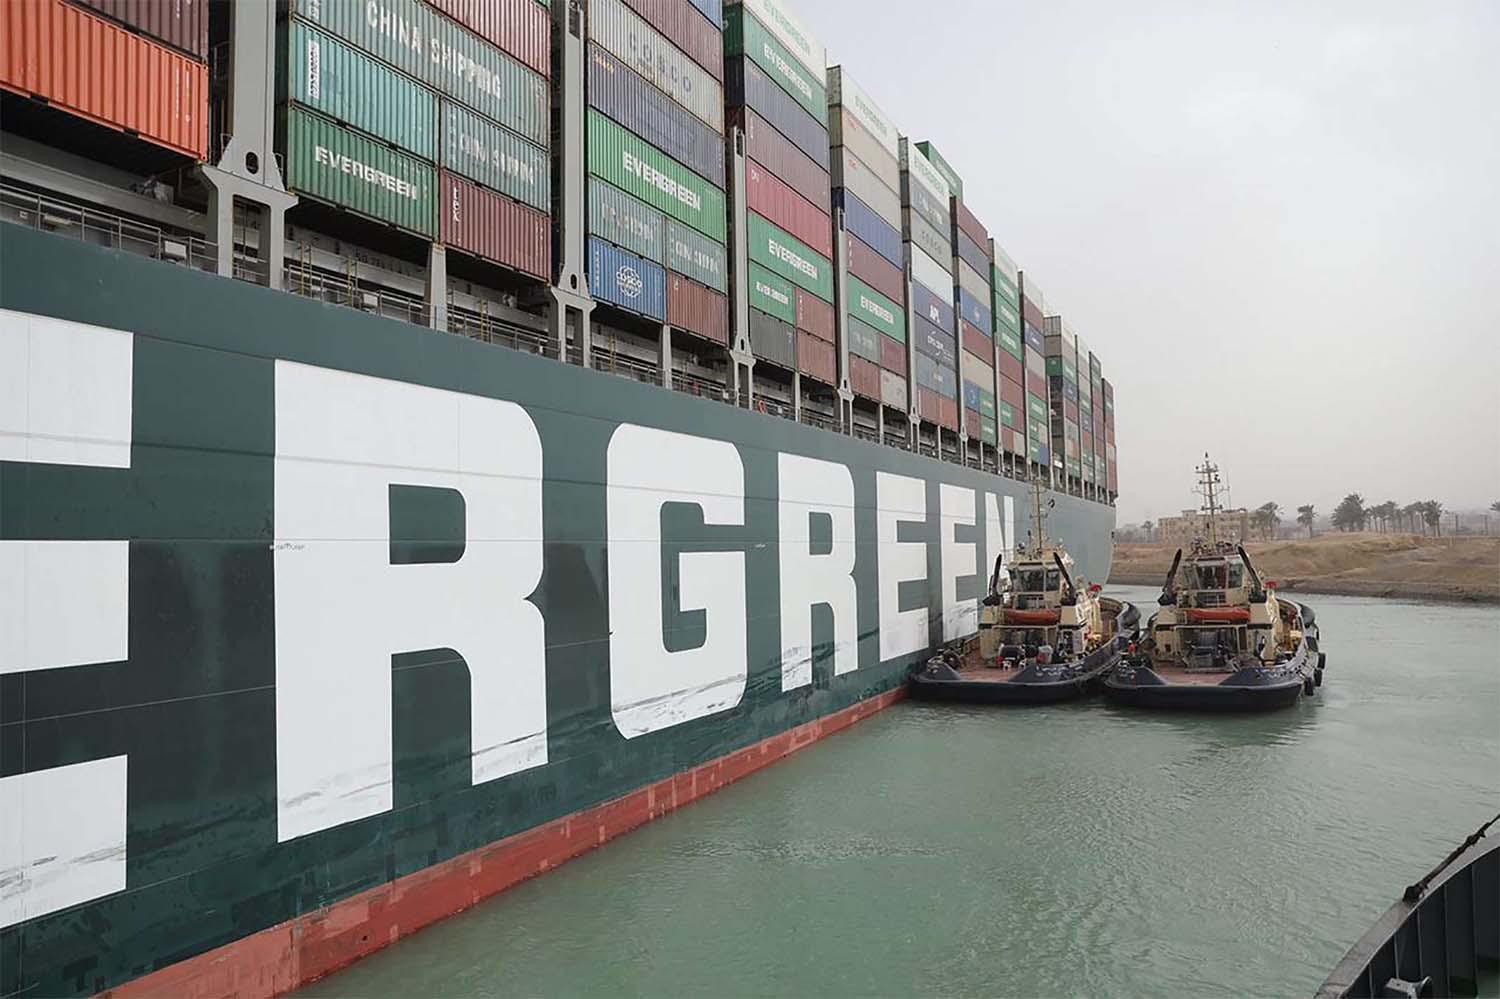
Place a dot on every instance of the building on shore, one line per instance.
(1232, 526)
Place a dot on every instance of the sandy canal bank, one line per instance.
(1378, 565)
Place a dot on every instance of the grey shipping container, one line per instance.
(624, 96)
(921, 201)
(746, 83)
(933, 342)
(318, 71)
(711, 9)
(773, 340)
(477, 148)
(844, 129)
(693, 254)
(970, 253)
(933, 374)
(933, 243)
(776, 153)
(703, 42)
(849, 171)
(863, 340)
(644, 49)
(970, 281)
(625, 221)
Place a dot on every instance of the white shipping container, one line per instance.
(914, 163)
(972, 283)
(791, 33)
(930, 273)
(850, 171)
(976, 371)
(1003, 263)
(845, 130)
(844, 91)
(1032, 291)
(641, 47)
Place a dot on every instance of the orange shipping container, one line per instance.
(98, 70)
(696, 309)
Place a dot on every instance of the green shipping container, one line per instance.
(422, 43)
(1010, 341)
(617, 218)
(745, 35)
(342, 167)
(1008, 415)
(477, 148)
(1069, 371)
(772, 295)
(986, 403)
(1035, 451)
(328, 76)
(694, 255)
(1036, 408)
(870, 306)
(863, 340)
(785, 254)
(661, 182)
(1054, 366)
(987, 430)
(955, 185)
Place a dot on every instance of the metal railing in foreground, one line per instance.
(1438, 938)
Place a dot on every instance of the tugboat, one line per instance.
(1045, 634)
(1221, 640)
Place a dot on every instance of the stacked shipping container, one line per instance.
(656, 202)
(969, 251)
(108, 72)
(866, 186)
(455, 150)
(1085, 415)
(776, 87)
(1010, 353)
(926, 224)
(1111, 476)
(1062, 378)
(1038, 408)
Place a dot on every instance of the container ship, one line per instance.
(438, 436)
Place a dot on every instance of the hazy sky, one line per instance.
(1277, 223)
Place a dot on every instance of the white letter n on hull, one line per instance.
(343, 609)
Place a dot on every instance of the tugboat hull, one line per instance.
(1012, 691)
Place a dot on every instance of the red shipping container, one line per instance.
(1011, 368)
(864, 377)
(815, 358)
(1031, 314)
(96, 69)
(929, 404)
(876, 271)
(768, 197)
(969, 224)
(1012, 393)
(1070, 410)
(783, 160)
(1036, 384)
(493, 227)
(1109, 435)
(523, 28)
(977, 343)
(892, 355)
(948, 412)
(182, 24)
(971, 422)
(814, 315)
(685, 28)
(696, 309)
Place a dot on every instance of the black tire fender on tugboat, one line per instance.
(1309, 686)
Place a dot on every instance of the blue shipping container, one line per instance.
(971, 395)
(973, 310)
(1034, 340)
(931, 374)
(745, 84)
(711, 9)
(933, 342)
(623, 95)
(869, 228)
(935, 311)
(626, 280)
(1070, 391)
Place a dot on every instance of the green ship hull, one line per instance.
(345, 602)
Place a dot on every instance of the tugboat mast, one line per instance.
(1208, 481)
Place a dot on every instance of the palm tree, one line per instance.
(1266, 517)
(1147, 526)
(1305, 516)
(1385, 513)
(1350, 514)
(1432, 513)
(1413, 512)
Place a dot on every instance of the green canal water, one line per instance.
(1076, 850)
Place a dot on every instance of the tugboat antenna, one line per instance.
(1208, 482)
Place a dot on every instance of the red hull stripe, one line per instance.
(284, 957)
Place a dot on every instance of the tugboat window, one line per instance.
(1236, 575)
(1053, 579)
(1030, 581)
